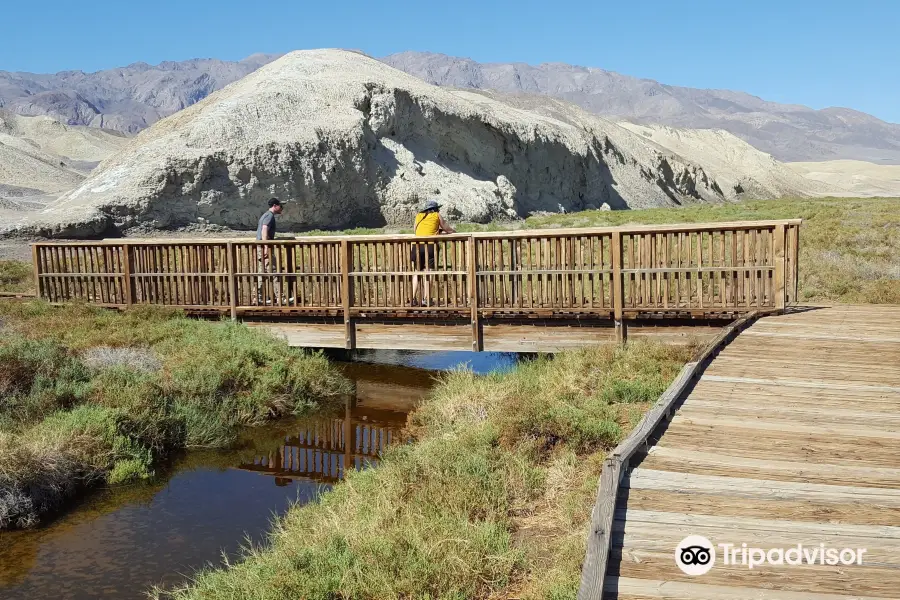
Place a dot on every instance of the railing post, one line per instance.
(795, 262)
(232, 280)
(473, 295)
(36, 265)
(779, 267)
(349, 341)
(618, 288)
(126, 271)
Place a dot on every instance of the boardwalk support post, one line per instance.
(126, 271)
(779, 268)
(618, 291)
(232, 280)
(473, 295)
(35, 258)
(349, 333)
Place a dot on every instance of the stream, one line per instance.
(120, 542)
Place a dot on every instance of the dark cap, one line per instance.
(431, 205)
(274, 202)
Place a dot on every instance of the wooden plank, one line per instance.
(770, 426)
(772, 531)
(731, 464)
(412, 336)
(765, 489)
(799, 383)
(814, 412)
(541, 337)
(691, 501)
(593, 571)
(760, 444)
(630, 588)
(310, 335)
(855, 581)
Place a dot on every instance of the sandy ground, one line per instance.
(857, 177)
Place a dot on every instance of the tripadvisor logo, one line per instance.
(696, 555)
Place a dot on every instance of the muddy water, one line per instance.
(118, 543)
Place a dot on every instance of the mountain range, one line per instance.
(129, 99)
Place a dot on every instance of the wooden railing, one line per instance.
(615, 273)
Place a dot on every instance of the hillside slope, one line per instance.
(854, 177)
(41, 158)
(349, 141)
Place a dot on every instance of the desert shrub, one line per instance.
(38, 377)
(15, 276)
(138, 359)
(42, 466)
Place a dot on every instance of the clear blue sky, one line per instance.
(819, 53)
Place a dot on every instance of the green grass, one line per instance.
(16, 276)
(69, 418)
(493, 497)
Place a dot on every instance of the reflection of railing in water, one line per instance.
(320, 451)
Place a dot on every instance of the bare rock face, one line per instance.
(348, 141)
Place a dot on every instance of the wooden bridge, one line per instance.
(785, 433)
(536, 290)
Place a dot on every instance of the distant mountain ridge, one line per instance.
(129, 99)
(789, 132)
(126, 99)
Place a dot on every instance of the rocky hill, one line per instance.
(350, 141)
(131, 98)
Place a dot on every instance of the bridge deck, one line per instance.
(791, 435)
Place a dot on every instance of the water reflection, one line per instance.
(479, 362)
(320, 450)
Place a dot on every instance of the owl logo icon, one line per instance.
(695, 555)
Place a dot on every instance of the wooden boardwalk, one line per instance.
(790, 436)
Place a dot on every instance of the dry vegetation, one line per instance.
(492, 498)
(90, 395)
(15, 277)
